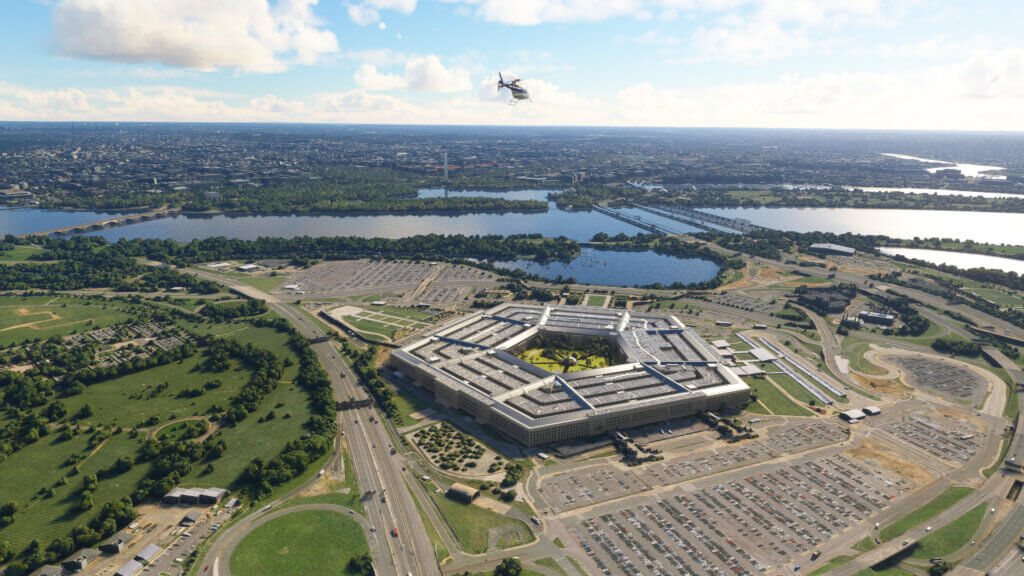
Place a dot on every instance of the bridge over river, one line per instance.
(108, 223)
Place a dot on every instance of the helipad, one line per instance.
(666, 371)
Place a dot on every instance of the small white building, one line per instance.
(872, 410)
(853, 415)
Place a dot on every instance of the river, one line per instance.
(989, 227)
(962, 260)
(612, 268)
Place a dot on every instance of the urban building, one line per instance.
(661, 369)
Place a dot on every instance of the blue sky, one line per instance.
(768, 63)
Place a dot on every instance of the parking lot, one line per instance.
(580, 488)
(354, 276)
(952, 439)
(740, 526)
(943, 377)
(443, 296)
(775, 443)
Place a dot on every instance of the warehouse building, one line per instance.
(81, 559)
(661, 370)
(192, 496)
(130, 568)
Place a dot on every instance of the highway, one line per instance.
(387, 500)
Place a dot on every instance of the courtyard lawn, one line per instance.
(306, 543)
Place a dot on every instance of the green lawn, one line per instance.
(407, 403)
(892, 571)
(131, 401)
(536, 357)
(773, 399)
(20, 253)
(263, 283)
(307, 543)
(28, 318)
(371, 328)
(952, 536)
(941, 503)
(831, 565)
(855, 350)
(865, 544)
(595, 300)
(795, 390)
(42, 465)
(472, 524)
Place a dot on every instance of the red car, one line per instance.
(394, 532)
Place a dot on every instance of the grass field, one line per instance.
(831, 565)
(131, 401)
(795, 390)
(41, 465)
(27, 318)
(952, 536)
(407, 403)
(472, 525)
(892, 571)
(855, 348)
(773, 399)
(20, 253)
(306, 543)
(941, 503)
(595, 300)
(263, 283)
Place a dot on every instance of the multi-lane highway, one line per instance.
(399, 540)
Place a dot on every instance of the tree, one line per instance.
(508, 567)
(361, 564)
(6, 551)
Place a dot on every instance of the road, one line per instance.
(387, 500)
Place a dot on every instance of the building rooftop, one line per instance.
(657, 358)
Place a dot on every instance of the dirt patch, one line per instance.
(891, 388)
(742, 282)
(492, 505)
(876, 453)
(773, 274)
(324, 485)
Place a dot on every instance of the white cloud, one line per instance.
(367, 12)
(368, 78)
(533, 12)
(249, 35)
(656, 38)
(422, 74)
(982, 91)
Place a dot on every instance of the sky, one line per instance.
(849, 64)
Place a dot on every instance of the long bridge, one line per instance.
(108, 223)
(634, 220)
(702, 220)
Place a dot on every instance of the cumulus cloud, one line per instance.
(368, 11)
(248, 35)
(422, 74)
(982, 91)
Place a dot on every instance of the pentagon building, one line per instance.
(664, 370)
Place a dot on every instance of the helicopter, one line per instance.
(517, 91)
